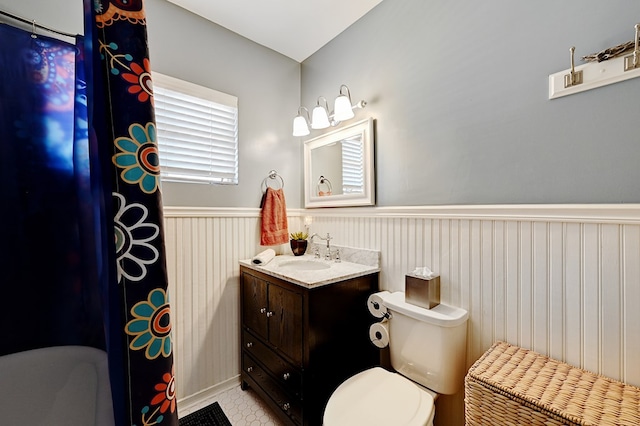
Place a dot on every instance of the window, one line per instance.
(353, 165)
(197, 132)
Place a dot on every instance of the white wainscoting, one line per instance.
(561, 280)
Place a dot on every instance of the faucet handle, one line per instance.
(338, 256)
(316, 252)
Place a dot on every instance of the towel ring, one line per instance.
(327, 184)
(273, 175)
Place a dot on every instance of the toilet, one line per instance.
(428, 354)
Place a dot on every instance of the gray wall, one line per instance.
(188, 47)
(459, 90)
(63, 15)
(267, 85)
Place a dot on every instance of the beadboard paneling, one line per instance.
(561, 280)
(565, 289)
(203, 249)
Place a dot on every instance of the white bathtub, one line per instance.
(57, 386)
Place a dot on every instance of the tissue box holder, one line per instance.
(421, 291)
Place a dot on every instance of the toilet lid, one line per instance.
(378, 397)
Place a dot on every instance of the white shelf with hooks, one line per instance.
(594, 74)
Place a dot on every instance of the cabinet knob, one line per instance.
(286, 376)
(263, 310)
(270, 314)
(249, 369)
(286, 406)
(249, 344)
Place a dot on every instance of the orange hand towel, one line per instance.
(275, 229)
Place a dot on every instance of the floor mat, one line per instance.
(211, 415)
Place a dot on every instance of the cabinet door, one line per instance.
(254, 304)
(285, 322)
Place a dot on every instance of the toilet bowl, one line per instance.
(428, 353)
(378, 397)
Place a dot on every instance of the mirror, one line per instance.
(339, 167)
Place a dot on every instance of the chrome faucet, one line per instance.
(328, 238)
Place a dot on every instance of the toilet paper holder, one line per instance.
(376, 306)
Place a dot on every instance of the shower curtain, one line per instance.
(81, 211)
(121, 116)
(49, 287)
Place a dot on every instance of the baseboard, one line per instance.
(188, 404)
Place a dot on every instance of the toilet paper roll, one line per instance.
(379, 334)
(375, 305)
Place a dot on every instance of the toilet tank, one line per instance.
(427, 346)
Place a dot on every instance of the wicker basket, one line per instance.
(510, 385)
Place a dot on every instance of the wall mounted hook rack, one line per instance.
(595, 74)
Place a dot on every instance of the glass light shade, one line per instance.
(342, 109)
(300, 127)
(320, 118)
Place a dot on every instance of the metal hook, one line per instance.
(573, 78)
(631, 62)
(33, 29)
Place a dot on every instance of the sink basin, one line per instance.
(304, 265)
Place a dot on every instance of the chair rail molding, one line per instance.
(583, 213)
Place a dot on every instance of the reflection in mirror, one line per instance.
(339, 167)
(342, 166)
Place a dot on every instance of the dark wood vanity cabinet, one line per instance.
(299, 343)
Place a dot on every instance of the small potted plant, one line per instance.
(298, 243)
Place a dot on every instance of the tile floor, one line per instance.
(242, 408)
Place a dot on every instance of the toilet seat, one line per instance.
(379, 397)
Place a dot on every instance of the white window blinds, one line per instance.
(197, 132)
(353, 165)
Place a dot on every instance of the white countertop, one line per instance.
(337, 271)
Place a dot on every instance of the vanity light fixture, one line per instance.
(321, 118)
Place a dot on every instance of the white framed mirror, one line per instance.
(339, 167)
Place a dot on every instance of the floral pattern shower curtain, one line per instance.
(123, 127)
